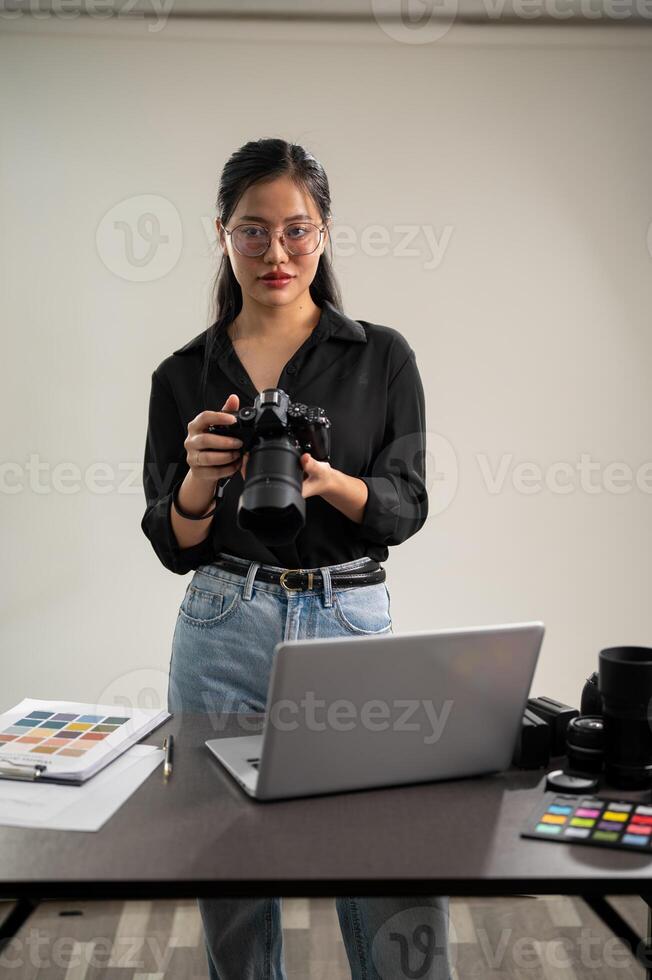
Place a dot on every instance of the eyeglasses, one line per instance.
(300, 238)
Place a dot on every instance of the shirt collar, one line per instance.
(332, 323)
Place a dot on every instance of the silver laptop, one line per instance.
(349, 714)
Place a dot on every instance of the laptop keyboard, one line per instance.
(254, 762)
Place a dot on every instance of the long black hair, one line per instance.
(265, 159)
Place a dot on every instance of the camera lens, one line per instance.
(584, 744)
(626, 688)
(271, 504)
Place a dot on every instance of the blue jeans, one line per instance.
(222, 650)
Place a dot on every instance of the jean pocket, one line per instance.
(364, 608)
(210, 602)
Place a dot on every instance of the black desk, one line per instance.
(199, 834)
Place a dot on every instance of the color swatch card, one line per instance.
(588, 820)
(67, 741)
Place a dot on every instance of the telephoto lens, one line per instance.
(625, 681)
(585, 744)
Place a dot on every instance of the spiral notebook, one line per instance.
(68, 741)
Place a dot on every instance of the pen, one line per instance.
(168, 745)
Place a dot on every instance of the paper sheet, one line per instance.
(86, 807)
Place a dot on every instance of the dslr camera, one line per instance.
(275, 432)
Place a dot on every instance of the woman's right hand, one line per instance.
(212, 457)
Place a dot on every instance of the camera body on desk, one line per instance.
(543, 732)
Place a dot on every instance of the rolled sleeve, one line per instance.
(163, 469)
(397, 502)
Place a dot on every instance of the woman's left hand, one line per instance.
(317, 475)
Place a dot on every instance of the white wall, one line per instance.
(529, 147)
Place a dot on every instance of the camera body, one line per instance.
(275, 432)
(273, 415)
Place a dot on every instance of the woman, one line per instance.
(279, 323)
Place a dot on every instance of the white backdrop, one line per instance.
(493, 203)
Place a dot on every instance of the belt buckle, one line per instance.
(289, 571)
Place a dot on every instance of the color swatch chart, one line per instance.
(588, 820)
(48, 733)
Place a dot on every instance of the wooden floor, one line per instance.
(530, 938)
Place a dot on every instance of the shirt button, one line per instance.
(291, 369)
(243, 380)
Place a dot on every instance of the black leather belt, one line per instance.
(298, 579)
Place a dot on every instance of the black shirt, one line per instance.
(366, 379)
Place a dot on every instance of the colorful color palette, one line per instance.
(588, 820)
(52, 733)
